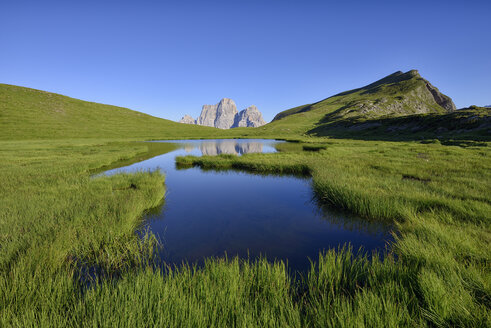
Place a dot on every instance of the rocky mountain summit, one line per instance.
(250, 116)
(224, 115)
(187, 119)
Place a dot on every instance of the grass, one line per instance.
(54, 218)
(317, 147)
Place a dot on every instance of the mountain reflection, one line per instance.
(233, 147)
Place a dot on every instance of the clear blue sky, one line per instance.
(170, 58)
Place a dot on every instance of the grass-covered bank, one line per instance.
(55, 218)
(438, 196)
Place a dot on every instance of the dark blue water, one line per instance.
(209, 213)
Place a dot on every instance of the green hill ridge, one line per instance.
(398, 105)
(34, 114)
(396, 95)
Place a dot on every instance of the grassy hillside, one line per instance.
(33, 114)
(397, 94)
(399, 106)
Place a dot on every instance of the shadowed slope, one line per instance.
(473, 123)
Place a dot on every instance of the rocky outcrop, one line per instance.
(207, 116)
(442, 100)
(219, 116)
(249, 117)
(187, 120)
(224, 115)
(226, 112)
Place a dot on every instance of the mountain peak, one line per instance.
(226, 101)
(397, 94)
(224, 115)
(187, 119)
(249, 117)
(251, 108)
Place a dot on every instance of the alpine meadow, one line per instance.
(368, 208)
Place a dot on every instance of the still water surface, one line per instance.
(209, 213)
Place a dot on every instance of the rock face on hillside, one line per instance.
(224, 115)
(250, 116)
(442, 100)
(187, 119)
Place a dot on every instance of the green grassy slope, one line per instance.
(396, 105)
(33, 114)
(397, 94)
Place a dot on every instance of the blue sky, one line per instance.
(169, 58)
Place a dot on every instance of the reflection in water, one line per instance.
(189, 148)
(232, 147)
(226, 146)
(348, 221)
(210, 213)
